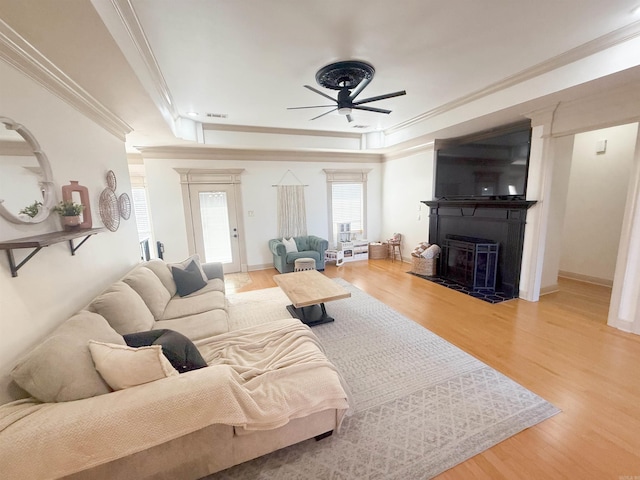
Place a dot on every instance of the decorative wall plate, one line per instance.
(109, 211)
(124, 205)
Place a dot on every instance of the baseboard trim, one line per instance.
(585, 278)
(264, 266)
(549, 289)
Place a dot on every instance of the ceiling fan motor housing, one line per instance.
(344, 75)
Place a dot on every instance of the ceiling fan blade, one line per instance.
(371, 109)
(349, 118)
(320, 93)
(325, 113)
(381, 97)
(314, 106)
(359, 88)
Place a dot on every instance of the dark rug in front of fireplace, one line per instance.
(487, 296)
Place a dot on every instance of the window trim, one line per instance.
(346, 176)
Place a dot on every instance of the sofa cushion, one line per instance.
(198, 326)
(151, 290)
(162, 271)
(215, 285)
(292, 257)
(193, 304)
(124, 309)
(290, 245)
(188, 280)
(302, 243)
(179, 350)
(60, 369)
(122, 366)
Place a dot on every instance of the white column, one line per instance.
(624, 310)
(539, 189)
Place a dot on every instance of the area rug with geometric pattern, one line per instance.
(422, 405)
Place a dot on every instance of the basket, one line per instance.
(378, 252)
(424, 266)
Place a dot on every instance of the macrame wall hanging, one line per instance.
(292, 215)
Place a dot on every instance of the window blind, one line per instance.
(347, 206)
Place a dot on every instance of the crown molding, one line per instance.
(278, 131)
(131, 23)
(599, 44)
(406, 150)
(212, 153)
(23, 56)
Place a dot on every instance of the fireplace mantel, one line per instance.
(480, 203)
(502, 221)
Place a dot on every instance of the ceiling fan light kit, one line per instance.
(349, 78)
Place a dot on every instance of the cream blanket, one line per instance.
(258, 378)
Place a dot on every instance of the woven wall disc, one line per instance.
(109, 211)
(124, 205)
(112, 182)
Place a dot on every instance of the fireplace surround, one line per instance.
(498, 221)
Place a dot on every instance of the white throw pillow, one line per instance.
(290, 245)
(123, 367)
(432, 252)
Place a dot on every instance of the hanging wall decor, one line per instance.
(124, 205)
(113, 207)
(109, 209)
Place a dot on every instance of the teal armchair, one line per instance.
(309, 246)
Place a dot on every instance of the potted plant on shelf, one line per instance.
(70, 212)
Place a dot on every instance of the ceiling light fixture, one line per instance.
(344, 111)
(192, 114)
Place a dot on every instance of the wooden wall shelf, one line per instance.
(37, 242)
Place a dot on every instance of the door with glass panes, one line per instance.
(215, 225)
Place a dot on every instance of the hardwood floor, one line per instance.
(559, 348)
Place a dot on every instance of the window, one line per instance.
(143, 221)
(347, 211)
(347, 191)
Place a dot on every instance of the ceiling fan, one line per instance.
(349, 78)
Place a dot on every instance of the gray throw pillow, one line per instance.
(188, 280)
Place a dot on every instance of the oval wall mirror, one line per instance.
(26, 182)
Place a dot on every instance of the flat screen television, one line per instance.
(491, 165)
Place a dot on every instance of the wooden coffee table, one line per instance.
(308, 290)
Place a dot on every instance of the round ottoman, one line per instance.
(301, 264)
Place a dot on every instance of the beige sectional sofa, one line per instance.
(263, 388)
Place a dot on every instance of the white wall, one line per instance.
(597, 193)
(258, 195)
(54, 284)
(407, 181)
